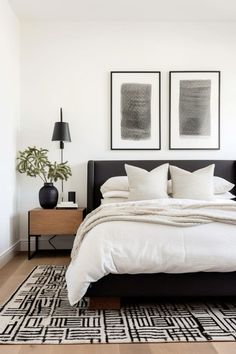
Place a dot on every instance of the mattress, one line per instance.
(121, 247)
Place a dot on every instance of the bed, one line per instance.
(157, 284)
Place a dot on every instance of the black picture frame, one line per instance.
(115, 109)
(213, 142)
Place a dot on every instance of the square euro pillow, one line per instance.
(193, 185)
(144, 185)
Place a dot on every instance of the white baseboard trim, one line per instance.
(8, 254)
(22, 245)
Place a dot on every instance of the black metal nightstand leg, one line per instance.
(37, 243)
(31, 255)
(29, 247)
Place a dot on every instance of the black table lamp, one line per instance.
(61, 132)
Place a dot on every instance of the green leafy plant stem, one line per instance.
(34, 162)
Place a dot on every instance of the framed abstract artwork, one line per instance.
(135, 110)
(194, 110)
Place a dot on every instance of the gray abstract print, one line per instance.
(135, 111)
(194, 107)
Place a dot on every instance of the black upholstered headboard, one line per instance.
(100, 171)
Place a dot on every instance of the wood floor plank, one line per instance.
(10, 349)
(18, 268)
(138, 348)
(61, 349)
(36, 349)
(225, 347)
(10, 286)
(87, 349)
(182, 348)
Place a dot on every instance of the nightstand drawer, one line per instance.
(54, 221)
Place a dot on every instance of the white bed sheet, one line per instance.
(133, 247)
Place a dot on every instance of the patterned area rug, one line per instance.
(39, 312)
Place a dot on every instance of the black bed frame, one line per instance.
(158, 284)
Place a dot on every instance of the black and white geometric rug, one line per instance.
(39, 312)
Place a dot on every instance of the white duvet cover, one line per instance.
(120, 247)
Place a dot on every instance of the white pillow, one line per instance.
(113, 200)
(116, 194)
(224, 196)
(118, 183)
(192, 185)
(221, 185)
(145, 185)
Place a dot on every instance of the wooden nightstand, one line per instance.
(44, 222)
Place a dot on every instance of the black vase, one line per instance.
(48, 196)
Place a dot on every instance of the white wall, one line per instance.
(9, 115)
(68, 65)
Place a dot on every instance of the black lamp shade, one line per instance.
(61, 132)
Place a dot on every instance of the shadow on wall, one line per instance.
(14, 228)
(78, 183)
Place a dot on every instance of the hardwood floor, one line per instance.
(14, 273)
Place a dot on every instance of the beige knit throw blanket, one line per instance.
(164, 211)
